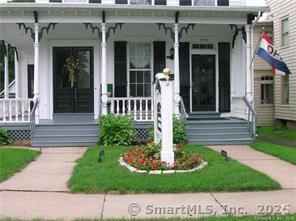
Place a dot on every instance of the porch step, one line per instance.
(204, 115)
(66, 130)
(212, 129)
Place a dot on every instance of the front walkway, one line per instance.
(40, 191)
(49, 172)
(281, 171)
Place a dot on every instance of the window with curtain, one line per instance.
(140, 69)
(285, 32)
(266, 89)
(285, 90)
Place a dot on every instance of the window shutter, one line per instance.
(185, 2)
(184, 59)
(224, 77)
(56, 1)
(159, 56)
(160, 2)
(120, 68)
(120, 1)
(223, 2)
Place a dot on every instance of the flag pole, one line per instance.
(257, 47)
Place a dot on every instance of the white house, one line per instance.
(120, 45)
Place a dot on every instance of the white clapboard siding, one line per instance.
(265, 112)
(280, 9)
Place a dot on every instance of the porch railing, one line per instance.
(140, 108)
(15, 110)
(241, 108)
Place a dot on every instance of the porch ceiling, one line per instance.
(74, 13)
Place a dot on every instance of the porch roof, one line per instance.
(78, 13)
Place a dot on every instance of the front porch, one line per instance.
(118, 62)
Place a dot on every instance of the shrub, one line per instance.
(116, 130)
(179, 133)
(148, 158)
(5, 139)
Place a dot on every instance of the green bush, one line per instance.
(116, 130)
(179, 133)
(5, 139)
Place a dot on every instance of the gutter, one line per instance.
(35, 6)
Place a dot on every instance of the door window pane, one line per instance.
(83, 75)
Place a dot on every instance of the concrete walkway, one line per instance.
(40, 191)
(281, 171)
(49, 172)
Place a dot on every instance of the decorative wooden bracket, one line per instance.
(113, 29)
(99, 32)
(185, 29)
(94, 29)
(236, 32)
(166, 30)
(28, 28)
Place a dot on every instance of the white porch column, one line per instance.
(16, 74)
(177, 71)
(248, 65)
(104, 71)
(6, 73)
(36, 69)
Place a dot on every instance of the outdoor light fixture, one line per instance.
(172, 53)
(224, 154)
(101, 153)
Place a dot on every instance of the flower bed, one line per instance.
(146, 159)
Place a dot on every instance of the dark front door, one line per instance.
(73, 94)
(203, 83)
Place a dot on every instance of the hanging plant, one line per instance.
(72, 66)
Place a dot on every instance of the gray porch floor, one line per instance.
(70, 119)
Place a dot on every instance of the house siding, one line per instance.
(282, 9)
(265, 112)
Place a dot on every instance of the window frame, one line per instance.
(285, 18)
(263, 82)
(129, 69)
(283, 83)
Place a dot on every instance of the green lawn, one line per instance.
(282, 152)
(13, 160)
(220, 175)
(270, 131)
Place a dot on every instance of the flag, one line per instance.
(269, 54)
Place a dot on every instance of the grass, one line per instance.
(220, 175)
(282, 152)
(271, 131)
(13, 160)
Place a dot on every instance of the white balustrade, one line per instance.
(238, 108)
(15, 110)
(139, 108)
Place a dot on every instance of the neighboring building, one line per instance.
(264, 79)
(284, 21)
(121, 45)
